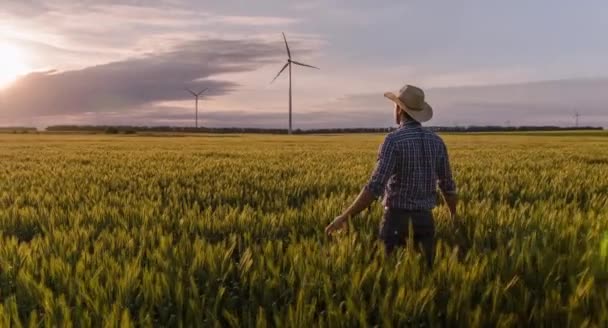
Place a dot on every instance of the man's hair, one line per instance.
(408, 116)
(404, 113)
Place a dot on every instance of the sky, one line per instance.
(129, 62)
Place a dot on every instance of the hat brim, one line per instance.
(423, 114)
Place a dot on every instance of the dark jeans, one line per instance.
(394, 230)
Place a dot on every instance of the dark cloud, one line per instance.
(210, 117)
(542, 103)
(136, 82)
(551, 102)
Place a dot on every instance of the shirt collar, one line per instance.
(410, 124)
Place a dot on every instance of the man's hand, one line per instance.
(363, 201)
(452, 201)
(339, 223)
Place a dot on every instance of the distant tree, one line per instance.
(111, 130)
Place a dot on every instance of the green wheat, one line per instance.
(227, 231)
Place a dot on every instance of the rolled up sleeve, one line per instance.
(385, 167)
(444, 173)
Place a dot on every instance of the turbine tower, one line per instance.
(288, 63)
(576, 116)
(196, 96)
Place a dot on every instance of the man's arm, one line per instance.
(363, 201)
(374, 188)
(446, 182)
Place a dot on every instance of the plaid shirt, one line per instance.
(412, 162)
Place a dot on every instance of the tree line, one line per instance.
(173, 129)
(126, 129)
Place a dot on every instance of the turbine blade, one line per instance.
(287, 46)
(192, 92)
(295, 62)
(281, 71)
(200, 93)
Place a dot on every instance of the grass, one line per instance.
(210, 231)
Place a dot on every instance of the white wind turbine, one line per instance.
(288, 63)
(196, 96)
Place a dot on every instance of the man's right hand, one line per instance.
(337, 224)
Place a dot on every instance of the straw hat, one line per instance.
(411, 100)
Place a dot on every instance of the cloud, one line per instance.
(531, 103)
(115, 30)
(536, 103)
(128, 60)
(136, 82)
(24, 8)
(545, 102)
(179, 116)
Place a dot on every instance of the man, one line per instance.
(412, 162)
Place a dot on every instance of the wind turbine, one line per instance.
(196, 96)
(576, 116)
(288, 63)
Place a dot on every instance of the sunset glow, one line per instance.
(128, 62)
(12, 63)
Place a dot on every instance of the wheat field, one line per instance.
(227, 231)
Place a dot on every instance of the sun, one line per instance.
(12, 64)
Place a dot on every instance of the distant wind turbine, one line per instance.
(576, 117)
(196, 96)
(288, 63)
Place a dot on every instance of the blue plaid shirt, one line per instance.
(412, 163)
